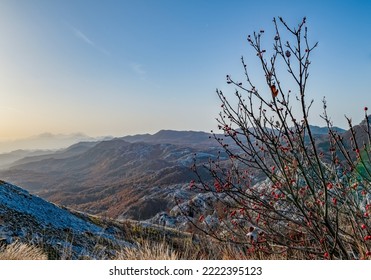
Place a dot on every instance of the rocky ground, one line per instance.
(63, 233)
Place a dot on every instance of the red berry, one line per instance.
(334, 200)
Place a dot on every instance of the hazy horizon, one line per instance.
(50, 141)
(132, 67)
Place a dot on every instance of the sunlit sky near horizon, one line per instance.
(126, 67)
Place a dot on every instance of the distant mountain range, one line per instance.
(324, 130)
(46, 141)
(114, 177)
(187, 138)
(129, 177)
(7, 159)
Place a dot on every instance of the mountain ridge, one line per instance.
(114, 177)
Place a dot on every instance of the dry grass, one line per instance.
(148, 250)
(21, 251)
(203, 249)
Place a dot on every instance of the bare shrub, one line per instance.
(315, 200)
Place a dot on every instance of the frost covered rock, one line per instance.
(30, 219)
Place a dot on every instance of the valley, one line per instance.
(130, 177)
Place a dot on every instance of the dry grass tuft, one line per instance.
(148, 250)
(21, 251)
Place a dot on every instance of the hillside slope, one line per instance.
(112, 178)
(62, 233)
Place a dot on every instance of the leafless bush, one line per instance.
(315, 200)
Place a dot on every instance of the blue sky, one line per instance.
(125, 67)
